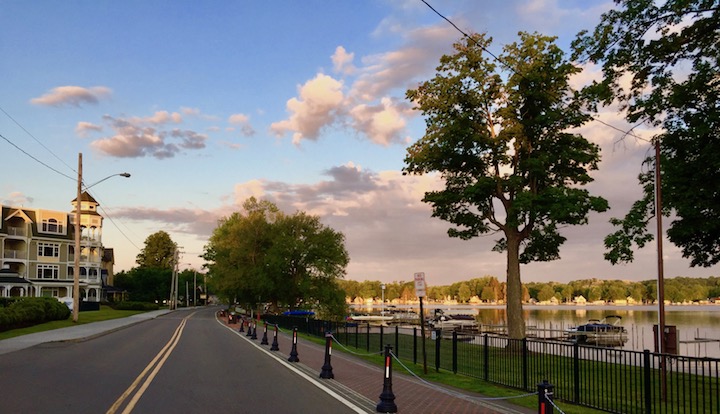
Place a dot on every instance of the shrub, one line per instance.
(31, 311)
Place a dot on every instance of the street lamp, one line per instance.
(76, 270)
(382, 307)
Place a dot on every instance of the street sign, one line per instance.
(420, 285)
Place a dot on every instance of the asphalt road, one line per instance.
(183, 362)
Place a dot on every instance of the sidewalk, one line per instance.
(362, 383)
(74, 333)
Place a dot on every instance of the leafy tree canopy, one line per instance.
(669, 50)
(159, 251)
(262, 255)
(498, 135)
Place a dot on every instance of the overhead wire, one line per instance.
(508, 66)
(56, 170)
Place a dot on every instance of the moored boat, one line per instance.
(603, 332)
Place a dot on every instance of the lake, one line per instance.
(691, 321)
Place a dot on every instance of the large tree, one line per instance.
(669, 51)
(262, 255)
(159, 251)
(498, 135)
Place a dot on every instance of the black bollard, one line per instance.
(387, 398)
(545, 396)
(242, 324)
(293, 351)
(249, 328)
(326, 371)
(274, 346)
(264, 340)
(254, 331)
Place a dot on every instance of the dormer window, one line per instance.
(52, 226)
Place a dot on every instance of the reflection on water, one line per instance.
(692, 322)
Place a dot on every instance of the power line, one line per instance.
(34, 158)
(484, 49)
(36, 140)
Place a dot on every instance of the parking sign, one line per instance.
(420, 284)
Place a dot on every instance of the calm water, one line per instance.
(691, 322)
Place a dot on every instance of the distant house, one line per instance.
(37, 252)
(580, 300)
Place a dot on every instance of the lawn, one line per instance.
(105, 313)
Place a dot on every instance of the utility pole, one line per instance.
(76, 269)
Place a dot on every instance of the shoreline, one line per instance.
(705, 307)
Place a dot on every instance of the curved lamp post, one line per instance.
(76, 276)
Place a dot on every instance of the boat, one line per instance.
(453, 322)
(371, 319)
(600, 332)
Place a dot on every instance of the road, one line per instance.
(183, 362)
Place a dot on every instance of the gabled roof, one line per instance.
(85, 196)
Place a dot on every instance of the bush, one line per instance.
(31, 311)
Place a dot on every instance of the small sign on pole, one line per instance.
(420, 285)
(420, 293)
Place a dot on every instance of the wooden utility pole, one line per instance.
(78, 249)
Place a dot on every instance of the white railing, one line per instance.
(16, 231)
(15, 254)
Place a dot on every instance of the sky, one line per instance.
(301, 103)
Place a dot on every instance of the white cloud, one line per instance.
(383, 123)
(17, 199)
(243, 121)
(140, 137)
(317, 106)
(342, 61)
(72, 96)
(83, 128)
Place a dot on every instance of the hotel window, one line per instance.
(48, 271)
(52, 226)
(48, 250)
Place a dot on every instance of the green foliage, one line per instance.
(498, 137)
(31, 311)
(159, 251)
(145, 284)
(670, 51)
(266, 256)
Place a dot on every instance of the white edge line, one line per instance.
(300, 373)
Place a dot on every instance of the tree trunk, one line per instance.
(515, 319)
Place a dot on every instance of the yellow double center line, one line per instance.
(155, 366)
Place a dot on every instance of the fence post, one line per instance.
(357, 328)
(524, 363)
(382, 336)
(397, 341)
(438, 339)
(647, 378)
(414, 345)
(367, 337)
(545, 394)
(486, 357)
(454, 352)
(576, 372)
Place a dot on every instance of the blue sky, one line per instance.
(298, 102)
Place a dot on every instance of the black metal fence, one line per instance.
(607, 379)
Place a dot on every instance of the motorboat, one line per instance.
(453, 322)
(371, 319)
(600, 332)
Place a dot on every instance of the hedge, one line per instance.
(23, 312)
